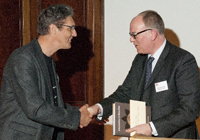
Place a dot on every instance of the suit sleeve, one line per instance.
(122, 94)
(124, 91)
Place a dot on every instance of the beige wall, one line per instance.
(181, 18)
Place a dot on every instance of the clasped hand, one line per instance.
(88, 114)
(86, 117)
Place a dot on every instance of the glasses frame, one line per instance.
(71, 27)
(135, 34)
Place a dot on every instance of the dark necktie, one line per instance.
(148, 70)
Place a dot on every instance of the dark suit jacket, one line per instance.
(27, 110)
(175, 110)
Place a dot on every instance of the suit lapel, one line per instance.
(60, 101)
(141, 76)
(160, 63)
(42, 64)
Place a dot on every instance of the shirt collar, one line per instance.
(157, 54)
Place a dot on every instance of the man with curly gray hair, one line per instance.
(31, 105)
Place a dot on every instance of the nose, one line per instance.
(74, 33)
(132, 39)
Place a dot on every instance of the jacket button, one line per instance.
(64, 125)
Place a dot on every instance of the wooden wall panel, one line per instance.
(10, 29)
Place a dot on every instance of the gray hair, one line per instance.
(54, 14)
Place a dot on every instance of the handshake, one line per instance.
(88, 114)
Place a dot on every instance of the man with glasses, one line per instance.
(31, 105)
(163, 75)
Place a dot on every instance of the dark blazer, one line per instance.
(175, 110)
(27, 110)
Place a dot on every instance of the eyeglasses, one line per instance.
(135, 34)
(71, 27)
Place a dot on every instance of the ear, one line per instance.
(52, 29)
(154, 34)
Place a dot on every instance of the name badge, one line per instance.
(161, 86)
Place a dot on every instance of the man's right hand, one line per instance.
(86, 117)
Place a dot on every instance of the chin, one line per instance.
(68, 47)
(140, 52)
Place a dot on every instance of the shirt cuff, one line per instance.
(99, 116)
(154, 131)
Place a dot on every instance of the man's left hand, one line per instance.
(144, 129)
